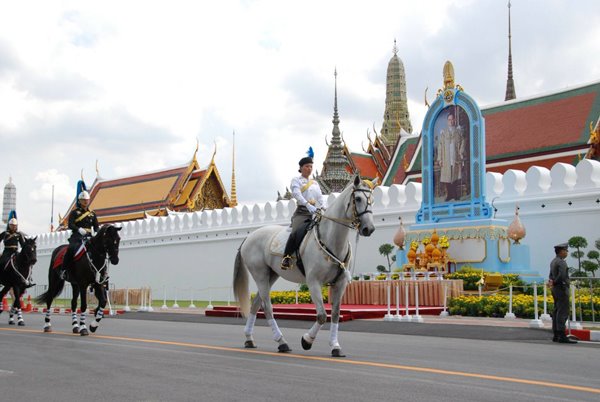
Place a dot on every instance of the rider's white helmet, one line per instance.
(13, 221)
(84, 195)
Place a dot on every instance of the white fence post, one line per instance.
(149, 295)
(164, 306)
(417, 317)
(510, 315)
(175, 305)
(406, 316)
(388, 316)
(398, 316)
(210, 306)
(444, 313)
(574, 324)
(192, 305)
(545, 316)
(536, 322)
(127, 308)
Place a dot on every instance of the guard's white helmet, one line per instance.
(13, 221)
(84, 195)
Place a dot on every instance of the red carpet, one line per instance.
(307, 311)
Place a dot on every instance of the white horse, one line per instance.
(326, 255)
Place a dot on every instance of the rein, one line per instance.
(95, 270)
(11, 262)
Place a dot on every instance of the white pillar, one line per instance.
(417, 317)
(164, 306)
(536, 322)
(398, 316)
(510, 315)
(192, 305)
(406, 316)
(388, 316)
(444, 312)
(545, 316)
(574, 324)
(127, 308)
(175, 305)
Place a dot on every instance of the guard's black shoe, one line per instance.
(286, 263)
(556, 336)
(566, 339)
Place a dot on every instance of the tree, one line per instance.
(579, 243)
(387, 249)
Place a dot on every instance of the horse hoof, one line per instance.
(337, 353)
(47, 329)
(250, 345)
(21, 324)
(84, 332)
(283, 348)
(93, 329)
(75, 330)
(11, 323)
(305, 345)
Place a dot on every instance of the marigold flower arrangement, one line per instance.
(444, 242)
(426, 241)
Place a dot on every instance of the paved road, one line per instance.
(175, 357)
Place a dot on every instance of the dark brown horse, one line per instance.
(16, 274)
(91, 269)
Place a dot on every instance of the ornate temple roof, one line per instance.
(182, 188)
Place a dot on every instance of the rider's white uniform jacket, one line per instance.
(307, 191)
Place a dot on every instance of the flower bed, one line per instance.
(289, 296)
(497, 305)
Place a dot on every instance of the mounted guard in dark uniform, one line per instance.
(12, 239)
(81, 222)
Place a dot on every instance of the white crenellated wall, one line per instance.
(198, 249)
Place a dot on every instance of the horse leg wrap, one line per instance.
(74, 320)
(333, 336)
(19, 315)
(82, 319)
(312, 332)
(277, 335)
(249, 329)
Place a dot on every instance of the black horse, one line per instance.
(16, 274)
(90, 269)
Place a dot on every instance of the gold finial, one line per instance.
(196, 151)
(425, 96)
(448, 75)
(82, 174)
(214, 153)
(97, 169)
(405, 163)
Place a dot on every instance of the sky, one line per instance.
(132, 86)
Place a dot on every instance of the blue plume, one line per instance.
(11, 214)
(310, 152)
(80, 187)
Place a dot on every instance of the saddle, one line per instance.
(60, 256)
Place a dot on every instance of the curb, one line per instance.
(586, 334)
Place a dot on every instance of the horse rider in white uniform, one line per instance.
(309, 199)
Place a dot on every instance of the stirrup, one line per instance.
(286, 263)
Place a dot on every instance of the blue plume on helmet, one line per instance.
(80, 187)
(310, 152)
(11, 214)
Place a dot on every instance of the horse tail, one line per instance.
(240, 283)
(55, 284)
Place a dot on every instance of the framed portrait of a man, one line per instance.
(451, 159)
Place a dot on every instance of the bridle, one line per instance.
(353, 223)
(104, 251)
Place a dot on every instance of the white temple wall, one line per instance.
(197, 250)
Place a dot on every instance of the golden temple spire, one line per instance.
(233, 185)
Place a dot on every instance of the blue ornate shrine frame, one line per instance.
(475, 207)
